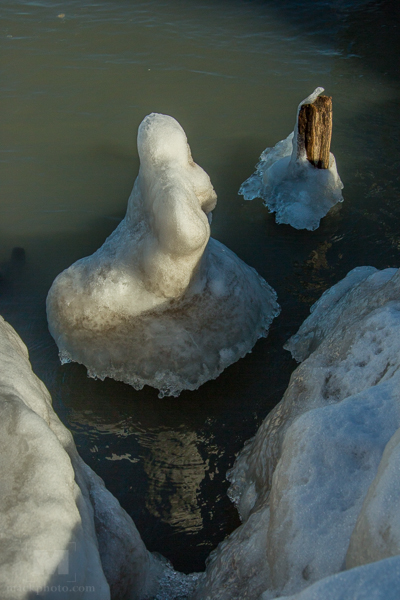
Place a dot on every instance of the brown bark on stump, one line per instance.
(315, 127)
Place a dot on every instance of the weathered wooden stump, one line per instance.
(315, 129)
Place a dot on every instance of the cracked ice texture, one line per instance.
(60, 525)
(161, 303)
(317, 488)
(299, 193)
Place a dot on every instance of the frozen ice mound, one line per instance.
(299, 193)
(161, 303)
(318, 487)
(376, 581)
(64, 534)
(363, 289)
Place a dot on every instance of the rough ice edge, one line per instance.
(170, 384)
(176, 586)
(236, 569)
(109, 552)
(366, 287)
(335, 304)
(211, 269)
(376, 581)
(300, 194)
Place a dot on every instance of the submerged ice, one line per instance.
(161, 303)
(299, 193)
(318, 487)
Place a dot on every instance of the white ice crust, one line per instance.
(299, 193)
(318, 487)
(63, 534)
(161, 303)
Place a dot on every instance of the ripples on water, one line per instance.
(77, 79)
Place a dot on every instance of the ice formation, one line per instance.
(318, 487)
(376, 581)
(64, 535)
(161, 303)
(299, 193)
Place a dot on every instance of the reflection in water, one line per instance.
(116, 457)
(312, 274)
(174, 462)
(74, 90)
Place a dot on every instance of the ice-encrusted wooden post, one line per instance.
(315, 127)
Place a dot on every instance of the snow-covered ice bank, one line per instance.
(161, 303)
(63, 534)
(318, 487)
(375, 581)
(299, 193)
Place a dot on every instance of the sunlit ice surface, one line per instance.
(77, 79)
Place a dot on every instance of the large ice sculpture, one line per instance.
(299, 193)
(318, 487)
(64, 534)
(161, 303)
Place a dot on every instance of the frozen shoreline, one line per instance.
(66, 535)
(317, 488)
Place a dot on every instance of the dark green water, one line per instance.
(77, 78)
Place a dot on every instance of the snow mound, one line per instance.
(160, 303)
(65, 535)
(299, 193)
(318, 487)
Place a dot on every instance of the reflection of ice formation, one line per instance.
(174, 465)
(318, 487)
(160, 303)
(299, 193)
(60, 524)
(178, 463)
